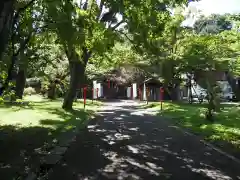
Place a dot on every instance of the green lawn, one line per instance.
(29, 131)
(225, 129)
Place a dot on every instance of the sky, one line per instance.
(218, 6)
(208, 7)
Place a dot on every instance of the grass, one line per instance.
(224, 131)
(30, 130)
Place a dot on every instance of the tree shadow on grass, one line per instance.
(21, 148)
(71, 119)
(23, 105)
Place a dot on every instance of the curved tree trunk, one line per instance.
(77, 70)
(52, 90)
(6, 16)
(20, 83)
(21, 75)
(9, 74)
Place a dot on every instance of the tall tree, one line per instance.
(93, 28)
(18, 42)
(6, 16)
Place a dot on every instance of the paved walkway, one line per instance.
(127, 142)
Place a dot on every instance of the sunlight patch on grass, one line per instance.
(34, 127)
(38, 110)
(225, 128)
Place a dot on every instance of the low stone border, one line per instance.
(215, 148)
(55, 155)
(52, 158)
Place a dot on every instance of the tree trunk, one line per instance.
(175, 93)
(52, 90)
(20, 83)
(235, 87)
(77, 70)
(9, 74)
(6, 15)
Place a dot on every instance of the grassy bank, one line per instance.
(225, 129)
(29, 130)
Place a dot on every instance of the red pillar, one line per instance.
(85, 95)
(161, 96)
(140, 93)
(97, 93)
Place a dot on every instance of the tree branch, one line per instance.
(117, 25)
(23, 44)
(21, 10)
(26, 6)
(85, 6)
(100, 10)
(130, 40)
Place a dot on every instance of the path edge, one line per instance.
(33, 175)
(210, 145)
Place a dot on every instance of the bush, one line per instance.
(29, 91)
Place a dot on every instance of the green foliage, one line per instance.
(226, 129)
(203, 52)
(118, 55)
(213, 24)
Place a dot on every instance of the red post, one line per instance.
(85, 95)
(97, 93)
(140, 93)
(147, 92)
(161, 96)
(108, 83)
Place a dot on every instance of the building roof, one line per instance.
(123, 75)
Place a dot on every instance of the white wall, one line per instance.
(100, 90)
(144, 92)
(129, 92)
(224, 85)
(134, 87)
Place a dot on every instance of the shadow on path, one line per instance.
(124, 143)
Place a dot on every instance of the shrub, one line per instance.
(29, 91)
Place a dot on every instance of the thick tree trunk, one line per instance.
(6, 16)
(77, 70)
(20, 83)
